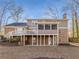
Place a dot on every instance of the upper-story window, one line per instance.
(47, 26)
(40, 26)
(54, 26)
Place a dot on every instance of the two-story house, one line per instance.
(42, 32)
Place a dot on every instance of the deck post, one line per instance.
(49, 40)
(37, 35)
(24, 40)
(44, 40)
(21, 40)
(40, 40)
(10, 39)
(53, 40)
(32, 40)
(37, 40)
(57, 33)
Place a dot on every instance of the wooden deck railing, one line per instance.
(31, 32)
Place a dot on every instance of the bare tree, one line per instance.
(16, 12)
(3, 11)
(7, 19)
(76, 1)
(73, 6)
(75, 19)
(53, 12)
(9, 10)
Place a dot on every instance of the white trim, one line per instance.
(45, 22)
(14, 26)
(63, 27)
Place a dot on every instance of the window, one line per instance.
(40, 26)
(47, 26)
(54, 26)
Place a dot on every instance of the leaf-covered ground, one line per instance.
(29, 52)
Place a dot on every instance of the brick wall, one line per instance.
(63, 36)
(9, 29)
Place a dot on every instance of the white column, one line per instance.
(44, 40)
(32, 40)
(57, 33)
(37, 40)
(12, 37)
(49, 39)
(53, 40)
(40, 40)
(24, 40)
(36, 36)
(21, 40)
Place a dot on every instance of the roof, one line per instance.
(17, 24)
(46, 20)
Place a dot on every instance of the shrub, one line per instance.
(76, 40)
(16, 39)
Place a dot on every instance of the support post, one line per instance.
(57, 33)
(53, 40)
(40, 40)
(37, 40)
(32, 40)
(24, 40)
(11, 37)
(21, 40)
(49, 39)
(44, 40)
(37, 35)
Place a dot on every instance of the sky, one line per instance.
(35, 9)
(38, 8)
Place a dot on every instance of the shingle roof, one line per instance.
(17, 24)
